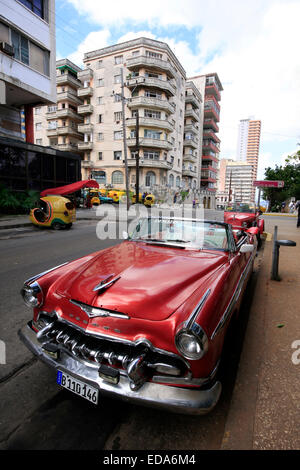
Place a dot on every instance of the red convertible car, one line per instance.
(243, 216)
(144, 320)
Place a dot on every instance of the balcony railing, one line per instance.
(85, 109)
(85, 91)
(144, 162)
(85, 145)
(85, 128)
(151, 122)
(192, 114)
(155, 103)
(191, 98)
(67, 78)
(67, 112)
(190, 143)
(152, 82)
(159, 64)
(86, 74)
(68, 96)
(153, 143)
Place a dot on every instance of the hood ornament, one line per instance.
(105, 285)
(93, 312)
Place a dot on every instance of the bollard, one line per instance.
(275, 260)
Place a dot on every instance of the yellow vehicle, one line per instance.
(94, 194)
(149, 200)
(133, 198)
(116, 194)
(56, 212)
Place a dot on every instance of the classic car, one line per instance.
(241, 216)
(144, 320)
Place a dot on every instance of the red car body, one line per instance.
(241, 217)
(114, 320)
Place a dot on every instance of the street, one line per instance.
(37, 414)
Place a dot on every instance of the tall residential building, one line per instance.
(61, 125)
(154, 87)
(210, 87)
(248, 145)
(27, 57)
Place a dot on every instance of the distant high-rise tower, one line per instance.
(248, 145)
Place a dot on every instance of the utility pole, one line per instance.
(230, 187)
(125, 140)
(137, 171)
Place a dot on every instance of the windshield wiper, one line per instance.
(176, 240)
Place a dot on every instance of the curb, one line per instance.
(25, 224)
(278, 214)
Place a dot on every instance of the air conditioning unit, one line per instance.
(7, 48)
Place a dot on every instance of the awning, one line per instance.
(70, 188)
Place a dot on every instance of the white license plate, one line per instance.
(76, 386)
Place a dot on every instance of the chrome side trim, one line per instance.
(28, 281)
(234, 297)
(192, 318)
(174, 399)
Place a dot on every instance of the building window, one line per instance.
(100, 100)
(100, 118)
(100, 136)
(100, 82)
(152, 114)
(117, 155)
(154, 55)
(38, 7)
(38, 126)
(118, 60)
(117, 177)
(118, 116)
(151, 155)
(99, 64)
(118, 135)
(37, 111)
(118, 97)
(171, 181)
(39, 141)
(178, 181)
(21, 47)
(100, 156)
(99, 176)
(151, 134)
(150, 179)
(117, 79)
(135, 53)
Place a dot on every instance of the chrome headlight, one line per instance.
(192, 344)
(32, 295)
(244, 224)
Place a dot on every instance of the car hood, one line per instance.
(151, 281)
(238, 217)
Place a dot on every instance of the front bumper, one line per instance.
(175, 399)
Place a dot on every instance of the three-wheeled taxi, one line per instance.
(56, 212)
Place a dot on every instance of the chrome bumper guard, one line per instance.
(174, 399)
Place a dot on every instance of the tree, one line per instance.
(290, 174)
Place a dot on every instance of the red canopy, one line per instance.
(70, 188)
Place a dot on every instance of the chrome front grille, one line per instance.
(139, 361)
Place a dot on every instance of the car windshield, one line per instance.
(240, 207)
(185, 233)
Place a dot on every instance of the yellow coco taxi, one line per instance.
(95, 200)
(149, 200)
(54, 211)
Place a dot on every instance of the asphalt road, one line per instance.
(36, 414)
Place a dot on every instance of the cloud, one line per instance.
(94, 40)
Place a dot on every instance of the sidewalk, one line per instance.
(265, 409)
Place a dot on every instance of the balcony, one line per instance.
(192, 114)
(162, 164)
(163, 85)
(85, 91)
(188, 172)
(86, 163)
(67, 113)
(68, 79)
(211, 158)
(85, 109)
(190, 158)
(154, 103)
(85, 75)
(210, 146)
(70, 147)
(67, 130)
(193, 100)
(191, 128)
(85, 128)
(207, 134)
(135, 63)
(152, 143)
(211, 112)
(210, 124)
(68, 96)
(190, 143)
(85, 145)
(51, 132)
(151, 122)
(51, 115)
(212, 89)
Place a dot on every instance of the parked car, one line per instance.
(145, 320)
(243, 216)
(54, 211)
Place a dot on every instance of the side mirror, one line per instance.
(246, 248)
(125, 235)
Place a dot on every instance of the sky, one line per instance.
(253, 46)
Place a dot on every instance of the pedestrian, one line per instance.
(175, 198)
(282, 207)
(298, 207)
(291, 207)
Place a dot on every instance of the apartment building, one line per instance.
(151, 80)
(27, 57)
(248, 145)
(238, 180)
(60, 125)
(210, 87)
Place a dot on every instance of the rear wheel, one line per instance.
(56, 226)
